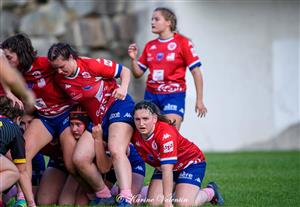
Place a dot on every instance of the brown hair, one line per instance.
(153, 109)
(169, 15)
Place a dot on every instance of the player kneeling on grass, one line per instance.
(174, 158)
(11, 138)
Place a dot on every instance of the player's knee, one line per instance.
(80, 161)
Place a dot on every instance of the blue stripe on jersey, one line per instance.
(168, 162)
(119, 70)
(142, 67)
(194, 65)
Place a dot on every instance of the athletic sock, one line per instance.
(104, 193)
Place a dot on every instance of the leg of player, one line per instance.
(9, 173)
(119, 136)
(155, 193)
(51, 185)
(68, 194)
(68, 144)
(83, 159)
(137, 183)
(36, 137)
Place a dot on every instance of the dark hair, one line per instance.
(153, 109)
(169, 15)
(22, 46)
(79, 113)
(61, 49)
(8, 109)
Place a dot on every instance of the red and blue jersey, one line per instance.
(167, 61)
(167, 146)
(92, 85)
(51, 100)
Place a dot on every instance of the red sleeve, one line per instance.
(167, 145)
(103, 67)
(143, 59)
(189, 55)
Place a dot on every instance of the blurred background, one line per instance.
(249, 51)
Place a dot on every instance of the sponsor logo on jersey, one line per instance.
(153, 47)
(86, 88)
(41, 83)
(140, 168)
(171, 56)
(137, 144)
(150, 157)
(166, 136)
(170, 107)
(172, 46)
(154, 145)
(86, 75)
(168, 147)
(67, 86)
(114, 115)
(159, 56)
(128, 115)
(184, 175)
(173, 87)
(78, 96)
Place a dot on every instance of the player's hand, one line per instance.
(15, 100)
(119, 93)
(132, 51)
(200, 108)
(97, 132)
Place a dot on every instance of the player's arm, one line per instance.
(167, 181)
(11, 78)
(132, 52)
(25, 183)
(121, 92)
(200, 108)
(103, 162)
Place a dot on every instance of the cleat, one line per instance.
(20, 203)
(122, 202)
(217, 199)
(103, 202)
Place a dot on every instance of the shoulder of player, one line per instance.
(41, 62)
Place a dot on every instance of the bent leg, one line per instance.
(51, 186)
(9, 173)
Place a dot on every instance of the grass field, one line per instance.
(255, 178)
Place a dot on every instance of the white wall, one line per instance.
(250, 56)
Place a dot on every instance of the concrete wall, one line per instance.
(250, 56)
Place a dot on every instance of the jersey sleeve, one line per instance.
(105, 68)
(18, 148)
(167, 146)
(143, 60)
(190, 57)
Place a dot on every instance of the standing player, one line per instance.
(167, 58)
(174, 158)
(11, 139)
(92, 83)
(52, 104)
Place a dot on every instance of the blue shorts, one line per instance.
(173, 103)
(193, 174)
(137, 164)
(119, 111)
(56, 125)
(38, 168)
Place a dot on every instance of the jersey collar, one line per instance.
(75, 74)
